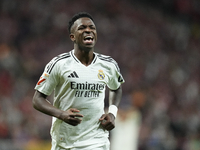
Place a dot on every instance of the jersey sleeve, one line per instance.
(49, 79)
(115, 78)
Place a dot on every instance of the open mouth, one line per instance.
(88, 39)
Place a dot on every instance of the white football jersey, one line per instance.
(82, 87)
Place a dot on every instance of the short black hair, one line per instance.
(76, 17)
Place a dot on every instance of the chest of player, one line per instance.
(81, 77)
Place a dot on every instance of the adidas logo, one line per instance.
(73, 75)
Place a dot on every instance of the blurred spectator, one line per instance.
(157, 46)
(128, 122)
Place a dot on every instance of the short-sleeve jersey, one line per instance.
(82, 87)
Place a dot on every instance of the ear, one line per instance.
(72, 37)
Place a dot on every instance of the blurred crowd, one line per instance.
(156, 44)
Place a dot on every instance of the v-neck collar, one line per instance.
(78, 61)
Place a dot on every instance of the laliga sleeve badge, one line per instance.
(101, 75)
(43, 78)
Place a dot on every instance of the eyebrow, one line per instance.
(92, 25)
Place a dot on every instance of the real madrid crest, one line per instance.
(101, 75)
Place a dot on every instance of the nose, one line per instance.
(87, 30)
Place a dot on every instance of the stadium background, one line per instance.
(156, 44)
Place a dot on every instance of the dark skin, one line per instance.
(83, 50)
(82, 28)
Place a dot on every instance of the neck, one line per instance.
(84, 56)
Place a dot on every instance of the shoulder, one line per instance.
(57, 61)
(108, 60)
(105, 58)
(60, 57)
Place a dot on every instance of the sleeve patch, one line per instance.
(43, 78)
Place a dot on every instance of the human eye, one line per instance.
(81, 28)
(92, 27)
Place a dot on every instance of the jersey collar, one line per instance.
(77, 60)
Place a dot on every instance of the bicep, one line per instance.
(38, 96)
(115, 92)
(115, 96)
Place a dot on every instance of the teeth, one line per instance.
(88, 37)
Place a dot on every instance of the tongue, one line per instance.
(88, 41)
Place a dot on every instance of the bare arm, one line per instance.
(43, 105)
(115, 96)
(108, 120)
